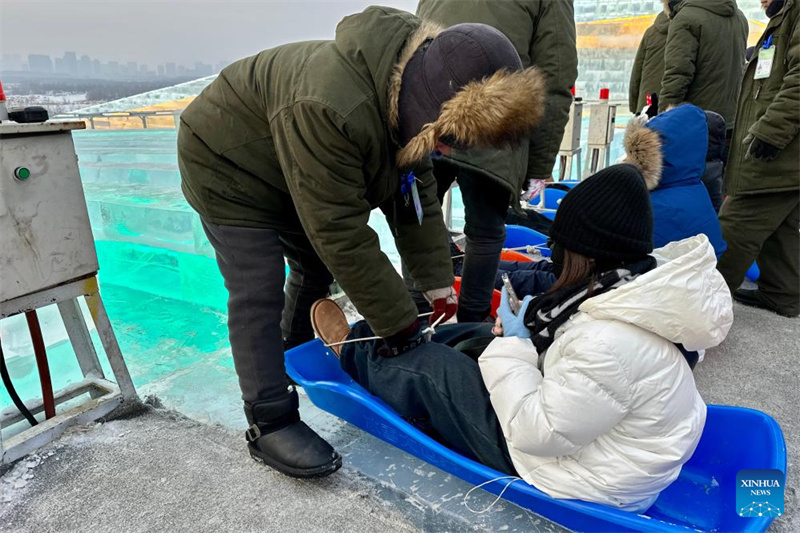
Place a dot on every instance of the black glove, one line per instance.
(652, 110)
(763, 151)
(404, 340)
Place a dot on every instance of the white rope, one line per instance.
(527, 247)
(437, 321)
(514, 478)
(353, 340)
(378, 337)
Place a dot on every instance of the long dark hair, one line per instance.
(578, 269)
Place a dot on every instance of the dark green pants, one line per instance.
(764, 228)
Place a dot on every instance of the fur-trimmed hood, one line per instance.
(669, 149)
(497, 111)
(643, 150)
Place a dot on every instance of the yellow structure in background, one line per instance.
(124, 121)
(625, 33)
(611, 34)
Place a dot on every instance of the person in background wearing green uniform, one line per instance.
(761, 216)
(648, 67)
(543, 34)
(287, 152)
(704, 56)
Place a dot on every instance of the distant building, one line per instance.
(202, 69)
(181, 70)
(160, 70)
(60, 66)
(170, 70)
(40, 63)
(71, 63)
(11, 62)
(85, 67)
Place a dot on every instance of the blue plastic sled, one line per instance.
(552, 199)
(518, 236)
(701, 499)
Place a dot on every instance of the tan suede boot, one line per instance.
(329, 323)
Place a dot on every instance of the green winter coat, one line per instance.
(704, 58)
(543, 33)
(770, 110)
(648, 67)
(304, 127)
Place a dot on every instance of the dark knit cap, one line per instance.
(440, 68)
(607, 217)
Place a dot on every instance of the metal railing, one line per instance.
(141, 115)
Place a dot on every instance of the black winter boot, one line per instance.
(278, 438)
(753, 298)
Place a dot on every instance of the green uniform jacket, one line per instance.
(704, 59)
(648, 67)
(304, 126)
(543, 33)
(770, 110)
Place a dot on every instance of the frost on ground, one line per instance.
(133, 474)
(14, 483)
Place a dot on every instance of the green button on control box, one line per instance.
(22, 173)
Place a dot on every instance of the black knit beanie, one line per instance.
(607, 217)
(440, 68)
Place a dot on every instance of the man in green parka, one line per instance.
(704, 57)
(286, 154)
(648, 67)
(543, 34)
(761, 216)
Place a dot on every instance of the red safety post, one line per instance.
(3, 110)
(41, 363)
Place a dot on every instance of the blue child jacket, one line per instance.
(681, 205)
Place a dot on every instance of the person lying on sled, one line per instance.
(586, 395)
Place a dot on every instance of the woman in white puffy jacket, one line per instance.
(588, 394)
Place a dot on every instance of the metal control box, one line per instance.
(602, 118)
(45, 235)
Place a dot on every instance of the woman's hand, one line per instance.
(508, 324)
(497, 330)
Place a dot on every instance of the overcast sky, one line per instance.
(181, 31)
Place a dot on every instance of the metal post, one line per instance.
(571, 141)
(602, 118)
(109, 341)
(80, 338)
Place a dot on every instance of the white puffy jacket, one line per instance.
(617, 413)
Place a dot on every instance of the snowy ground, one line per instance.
(162, 472)
(55, 103)
(159, 472)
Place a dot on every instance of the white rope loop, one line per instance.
(432, 331)
(466, 496)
